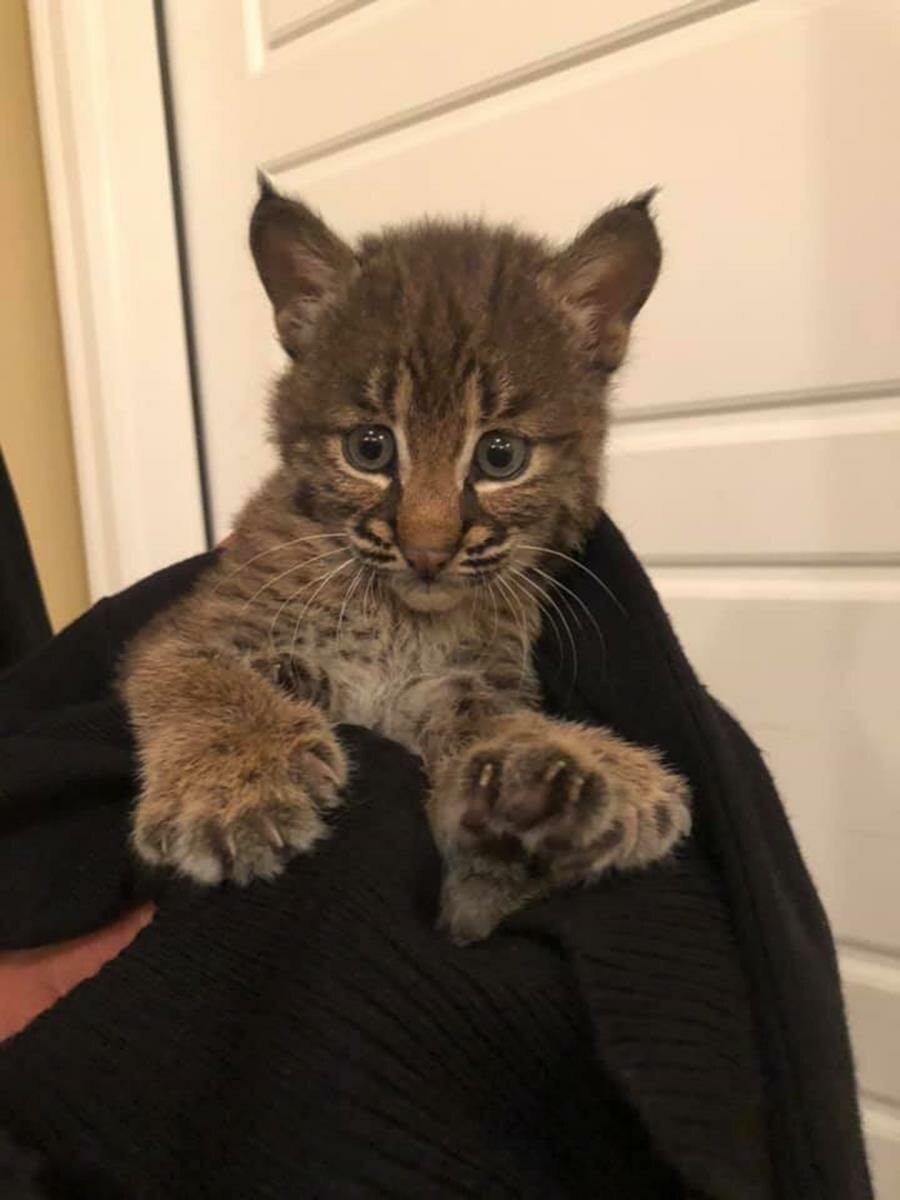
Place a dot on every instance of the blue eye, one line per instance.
(369, 448)
(500, 455)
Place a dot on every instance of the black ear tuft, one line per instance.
(264, 183)
(643, 200)
(603, 278)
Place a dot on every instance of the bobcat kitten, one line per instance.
(440, 428)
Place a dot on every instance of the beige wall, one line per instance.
(34, 420)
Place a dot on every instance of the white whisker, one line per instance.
(554, 582)
(314, 537)
(341, 567)
(293, 596)
(365, 600)
(532, 583)
(519, 620)
(349, 592)
(490, 587)
(296, 567)
(581, 567)
(281, 607)
(550, 615)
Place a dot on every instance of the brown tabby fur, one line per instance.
(313, 614)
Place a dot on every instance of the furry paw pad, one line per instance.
(555, 807)
(239, 809)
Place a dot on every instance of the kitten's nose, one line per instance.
(427, 561)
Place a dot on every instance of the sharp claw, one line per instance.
(329, 770)
(230, 846)
(275, 836)
(554, 769)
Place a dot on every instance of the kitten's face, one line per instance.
(445, 407)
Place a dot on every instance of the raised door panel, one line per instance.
(797, 482)
(809, 658)
(758, 422)
(780, 276)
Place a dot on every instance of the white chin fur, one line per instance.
(434, 597)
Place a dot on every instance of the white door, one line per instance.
(755, 454)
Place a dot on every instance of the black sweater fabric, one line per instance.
(677, 1032)
(24, 624)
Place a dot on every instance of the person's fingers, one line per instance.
(32, 980)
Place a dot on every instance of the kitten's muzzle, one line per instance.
(427, 561)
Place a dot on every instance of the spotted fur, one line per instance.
(407, 599)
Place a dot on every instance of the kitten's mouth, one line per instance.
(437, 595)
(445, 592)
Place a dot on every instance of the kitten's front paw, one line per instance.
(548, 805)
(238, 806)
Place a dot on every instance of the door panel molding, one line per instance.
(106, 163)
(875, 389)
(510, 54)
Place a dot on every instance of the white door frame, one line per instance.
(109, 183)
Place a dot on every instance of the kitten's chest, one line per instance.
(373, 675)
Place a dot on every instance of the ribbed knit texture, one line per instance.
(24, 623)
(317, 1036)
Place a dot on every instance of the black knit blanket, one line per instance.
(677, 1032)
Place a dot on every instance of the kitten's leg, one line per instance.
(235, 775)
(533, 804)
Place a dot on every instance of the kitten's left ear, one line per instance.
(302, 264)
(604, 277)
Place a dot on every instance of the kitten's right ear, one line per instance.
(302, 264)
(603, 278)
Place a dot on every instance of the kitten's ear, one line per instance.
(603, 278)
(302, 264)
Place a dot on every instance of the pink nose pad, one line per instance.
(427, 561)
